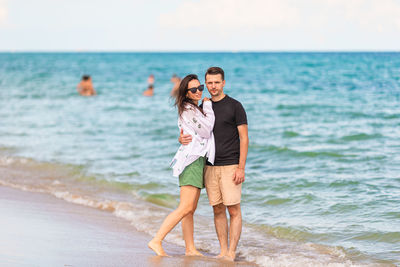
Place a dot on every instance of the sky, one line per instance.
(200, 25)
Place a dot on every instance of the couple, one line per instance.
(214, 146)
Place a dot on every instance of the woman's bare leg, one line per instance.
(187, 230)
(188, 198)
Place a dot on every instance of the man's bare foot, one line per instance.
(156, 246)
(194, 252)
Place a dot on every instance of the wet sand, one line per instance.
(40, 230)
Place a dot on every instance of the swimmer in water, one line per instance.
(150, 88)
(85, 87)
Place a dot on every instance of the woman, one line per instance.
(189, 161)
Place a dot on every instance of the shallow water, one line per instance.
(322, 185)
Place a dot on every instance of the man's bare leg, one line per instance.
(235, 229)
(221, 227)
(188, 229)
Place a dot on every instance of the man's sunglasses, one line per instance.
(194, 89)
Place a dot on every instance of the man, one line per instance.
(223, 181)
(150, 89)
(85, 87)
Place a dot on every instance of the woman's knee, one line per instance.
(187, 209)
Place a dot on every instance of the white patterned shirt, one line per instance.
(200, 127)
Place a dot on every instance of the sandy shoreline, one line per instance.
(40, 230)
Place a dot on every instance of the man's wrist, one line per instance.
(240, 168)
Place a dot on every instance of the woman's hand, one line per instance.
(206, 99)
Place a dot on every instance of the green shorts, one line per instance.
(193, 174)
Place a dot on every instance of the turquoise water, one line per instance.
(324, 157)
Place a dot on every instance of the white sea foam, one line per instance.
(5, 161)
(285, 260)
(254, 246)
(22, 187)
(274, 252)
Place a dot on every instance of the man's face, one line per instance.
(215, 84)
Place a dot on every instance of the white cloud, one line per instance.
(228, 16)
(381, 16)
(3, 12)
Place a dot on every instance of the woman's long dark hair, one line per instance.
(181, 98)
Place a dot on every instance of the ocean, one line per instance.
(323, 171)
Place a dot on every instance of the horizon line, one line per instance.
(201, 51)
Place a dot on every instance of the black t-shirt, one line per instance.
(229, 114)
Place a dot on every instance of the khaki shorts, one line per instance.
(220, 186)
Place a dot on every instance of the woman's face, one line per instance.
(194, 96)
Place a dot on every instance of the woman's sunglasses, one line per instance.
(194, 89)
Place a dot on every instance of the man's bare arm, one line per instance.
(184, 139)
(239, 175)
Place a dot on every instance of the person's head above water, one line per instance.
(85, 77)
(189, 92)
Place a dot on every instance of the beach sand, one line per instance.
(40, 230)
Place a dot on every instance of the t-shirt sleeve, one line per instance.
(240, 114)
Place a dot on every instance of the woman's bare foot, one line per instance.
(220, 256)
(194, 252)
(156, 246)
(229, 257)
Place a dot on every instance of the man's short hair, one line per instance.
(215, 71)
(85, 77)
